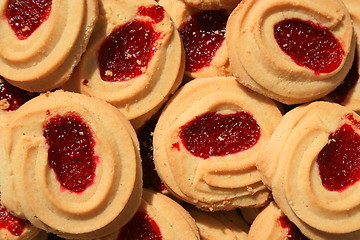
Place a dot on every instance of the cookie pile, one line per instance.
(179, 119)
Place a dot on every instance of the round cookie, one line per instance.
(134, 59)
(207, 140)
(42, 41)
(291, 51)
(203, 37)
(310, 163)
(70, 165)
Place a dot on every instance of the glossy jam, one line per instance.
(294, 232)
(26, 16)
(202, 36)
(339, 160)
(340, 94)
(215, 134)
(156, 12)
(15, 97)
(309, 45)
(127, 51)
(71, 151)
(150, 177)
(11, 223)
(140, 227)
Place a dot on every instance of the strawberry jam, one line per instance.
(127, 51)
(294, 232)
(140, 227)
(215, 134)
(26, 16)
(11, 223)
(339, 160)
(202, 36)
(309, 45)
(14, 97)
(71, 151)
(156, 12)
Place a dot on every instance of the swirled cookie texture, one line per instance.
(70, 165)
(207, 140)
(158, 217)
(203, 36)
(219, 225)
(134, 60)
(311, 164)
(272, 224)
(42, 41)
(291, 51)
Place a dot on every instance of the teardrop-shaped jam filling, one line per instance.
(71, 152)
(339, 160)
(340, 94)
(11, 223)
(309, 45)
(215, 134)
(140, 227)
(202, 36)
(156, 12)
(11, 98)
(127, 51)
(26, 16)
(294, 232)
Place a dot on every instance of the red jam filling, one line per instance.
(71, 151)
(156, 12)
(140, 227)
(339, 160)
(202, 36)
(294, 232)
(150, 177)
(15, 97)
(127, 51)
(309, 45)
(215, 134)
(11, 223)
(26, 16)
(340, 94)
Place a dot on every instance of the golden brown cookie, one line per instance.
(212, 4)
(158, 217)
(219, 225)
(134, 59)
(207, 140)
(42, 41)
(249, 214)
(291, 51)
(311, 164)
(70, 165)
(203, 37)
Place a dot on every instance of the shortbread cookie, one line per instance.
(70, 165)
(203, 36)
(135, 59)
(42, 41)
(207, 140)
(348, 93)
(311, 164)
(219, 225)
(158, 217)
(212, 4)
(249, 214)
(272, 224)
(291, 51)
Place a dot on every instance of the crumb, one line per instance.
(108, 73)
(4, 104)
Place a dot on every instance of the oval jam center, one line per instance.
(140, 227)
(156, 12)
(339, 160)
(127, 51)
(309, 45)
(293, 232)
(71, 152)
(25, 16)
(11, 223)
(202, 36)
(215, 134)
